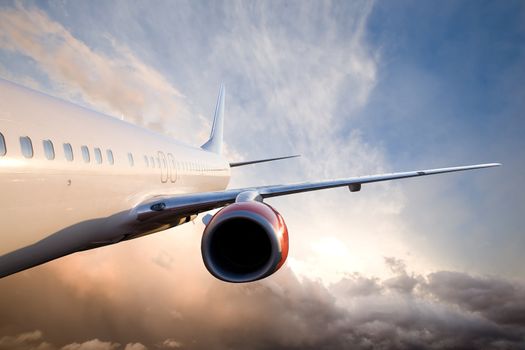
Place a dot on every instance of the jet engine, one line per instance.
(244, 242)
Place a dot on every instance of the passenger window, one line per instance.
(85, 154)
(49, 150)
(27, 146)
(68, 151)
(109, 154)
(146, 161)
(3, 150)
(98, 155)
(130, 159)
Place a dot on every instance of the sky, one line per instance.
(356, 88)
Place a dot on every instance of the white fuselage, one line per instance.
(40, 197)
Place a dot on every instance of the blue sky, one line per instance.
(465, 58)
(355, 87)
(451, 89)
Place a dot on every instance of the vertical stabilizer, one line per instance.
(214, 144)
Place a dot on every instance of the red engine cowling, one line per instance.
(245, 242)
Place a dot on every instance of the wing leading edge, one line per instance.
(170, 210)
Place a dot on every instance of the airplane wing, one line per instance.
(161, 213)
(178, 209)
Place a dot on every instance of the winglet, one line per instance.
(214, 144)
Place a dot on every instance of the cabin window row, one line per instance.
(26, 146)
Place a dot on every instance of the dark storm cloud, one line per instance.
(443, 310)
(498, 300)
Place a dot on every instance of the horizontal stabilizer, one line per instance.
(235, 164)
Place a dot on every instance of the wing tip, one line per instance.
(490, 165)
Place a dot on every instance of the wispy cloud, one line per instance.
(298, 88)
(116, 82)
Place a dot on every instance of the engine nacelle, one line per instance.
(245, 242)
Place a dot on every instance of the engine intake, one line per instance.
(245, 242)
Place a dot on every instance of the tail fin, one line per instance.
(214, 144)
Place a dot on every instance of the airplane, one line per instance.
(72, 179)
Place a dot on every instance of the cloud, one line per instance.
(36, 341)
(170, 344)
(135, 346)
(94, 344)
(498, 300)
(164, 259)
(439, 310)
(23, 341)
(116, 82)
